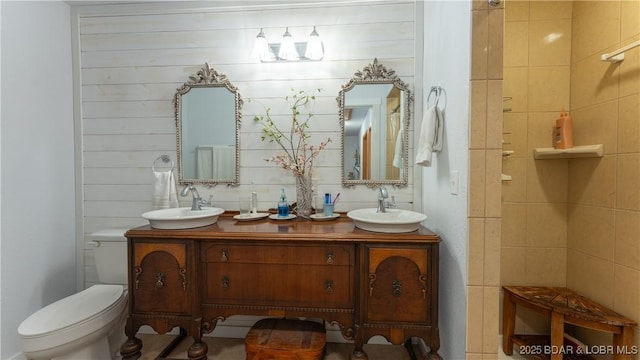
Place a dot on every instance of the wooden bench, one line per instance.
(286, 339)
(564, 306)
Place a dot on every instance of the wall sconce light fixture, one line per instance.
(288, 49)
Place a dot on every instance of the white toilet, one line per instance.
(89, 324)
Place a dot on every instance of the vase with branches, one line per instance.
(296, 155)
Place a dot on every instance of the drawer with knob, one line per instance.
(279, 254)
(285, 275)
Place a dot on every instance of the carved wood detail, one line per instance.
(332, 265)
(183, 274)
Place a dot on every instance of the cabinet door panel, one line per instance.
(398, 286)
(160, 279)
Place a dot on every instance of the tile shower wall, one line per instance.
(537, 66)
(133, 59)
(581, 215)
(484, 208)
(603, 215)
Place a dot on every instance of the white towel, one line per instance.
(398, 155)
(164, 190)
(431, 135)
(216, 162)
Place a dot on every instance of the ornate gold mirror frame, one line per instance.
(207, 111)
(398, 139)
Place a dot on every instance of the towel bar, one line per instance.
(165, 159)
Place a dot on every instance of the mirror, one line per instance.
(208, 126)
(375, 110)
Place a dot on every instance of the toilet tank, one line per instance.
(110, 252)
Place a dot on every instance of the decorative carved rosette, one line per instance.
(376, 71)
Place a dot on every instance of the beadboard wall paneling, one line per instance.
(133, 58)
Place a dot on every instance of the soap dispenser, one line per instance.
(283, 206)
(563, 132)
(254, 200)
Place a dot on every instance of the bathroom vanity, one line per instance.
(366, 283)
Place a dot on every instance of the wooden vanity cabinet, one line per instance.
(365, 283)
(163, 291)
(400, 293)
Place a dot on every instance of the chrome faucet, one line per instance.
(382, 195)
(197, 202)
(383, 203)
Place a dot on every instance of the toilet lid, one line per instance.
(71, 310)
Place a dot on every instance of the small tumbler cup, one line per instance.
(328, 210)
(245, 205)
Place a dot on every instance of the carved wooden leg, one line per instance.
(358, 354)
(557, 335)
(358, 342)
(198, 351)
(130, 350)
(508, 323)
(434, 346)
(623, 344)
(433, 355)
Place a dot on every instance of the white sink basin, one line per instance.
(182, 218)
(392, 221)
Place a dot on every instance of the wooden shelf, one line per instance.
(583, 151)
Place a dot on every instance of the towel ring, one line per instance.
(438, 91)
(165, 159)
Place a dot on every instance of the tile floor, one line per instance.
(233, 349)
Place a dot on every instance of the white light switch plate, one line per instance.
(453, 179)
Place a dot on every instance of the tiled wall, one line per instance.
(485, 144)
(537, 66)
(603, 228)
(573, 222)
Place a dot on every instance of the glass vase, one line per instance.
(304, 194)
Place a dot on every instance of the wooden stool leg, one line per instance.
(508, 323)
(623, 344)
(557, 335)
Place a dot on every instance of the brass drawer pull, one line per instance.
(329, 286)
(138, 271)
(160, 280)
(224, 256)
(330, 259)
(225, 283)
(183, 274)
(423, 279)
(397, 288)
(372, 279)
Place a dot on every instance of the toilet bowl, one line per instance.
(76, 327)
(90, 323)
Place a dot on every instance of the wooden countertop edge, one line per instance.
(339, 230)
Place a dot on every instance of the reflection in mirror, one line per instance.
(375, 110)
(208, 125)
